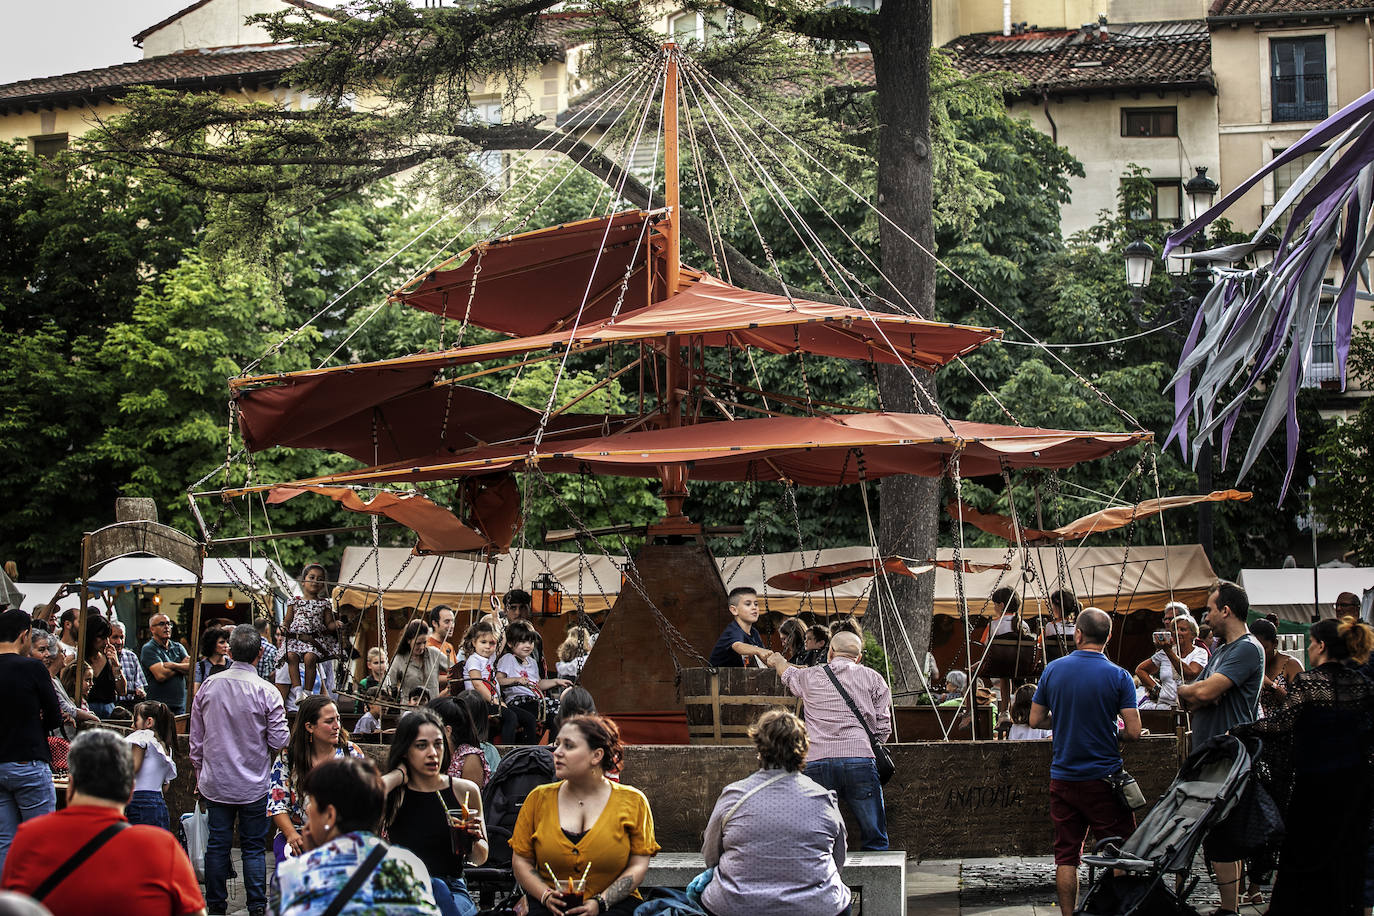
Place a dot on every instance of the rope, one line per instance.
(939, 263)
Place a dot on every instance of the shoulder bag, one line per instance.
(881, 757)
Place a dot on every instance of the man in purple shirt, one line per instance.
(841, 758)
(237, 724)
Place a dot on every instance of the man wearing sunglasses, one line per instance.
(167, 663)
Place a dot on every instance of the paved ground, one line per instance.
(1008, 886)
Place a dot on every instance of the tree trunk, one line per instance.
(907, 505)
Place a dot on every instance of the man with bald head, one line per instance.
(840, 758)
(1080, 696)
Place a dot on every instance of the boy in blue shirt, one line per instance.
(740, 641)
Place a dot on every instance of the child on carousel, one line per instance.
(523, 684)
(310, 627)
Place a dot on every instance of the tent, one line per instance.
(242, 574)
(1288, 592)
(10, 594)
(1152, 576)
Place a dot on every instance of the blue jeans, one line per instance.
(26, 791)
(103, 710)
(252, 820)
(452, 896)
(855, 780)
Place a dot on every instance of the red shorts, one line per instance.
(1076, 806)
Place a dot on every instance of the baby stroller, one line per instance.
(1128, 879)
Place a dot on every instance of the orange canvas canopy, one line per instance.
(816, 578)
(536, 282)
(812, 451)
(1104, 520)
(379, 416)
(494, 522)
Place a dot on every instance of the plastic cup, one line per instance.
(570, 898)
(462, 840)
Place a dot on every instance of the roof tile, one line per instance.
(187, 67)
(1158, 55)
(1271, 7)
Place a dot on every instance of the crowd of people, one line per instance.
(401, 835)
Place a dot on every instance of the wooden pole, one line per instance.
(79, 681)
(672, 195)
(674, 476)
(195, 632)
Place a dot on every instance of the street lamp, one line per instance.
(1140, 264)
(1201, 191)
(1263, 253)
(1176, 263)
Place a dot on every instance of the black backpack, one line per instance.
(516, 776)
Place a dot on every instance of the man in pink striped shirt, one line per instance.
(841, 758)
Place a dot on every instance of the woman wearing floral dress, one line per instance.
(318, 737)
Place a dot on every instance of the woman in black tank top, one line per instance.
(420, 798)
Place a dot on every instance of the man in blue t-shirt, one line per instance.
(740, 642)
(1080, 696)
(1226, 694)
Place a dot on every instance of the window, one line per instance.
(703, 27)
(1297, 78)
(1285, 175)
(685, 27)
(490, 162)
(1149, 122)
(47, 145)
(1321, 364)
(1166, 204)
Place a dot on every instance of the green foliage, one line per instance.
(1346, 453)
(1077, 294)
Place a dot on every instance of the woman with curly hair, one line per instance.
(585, 826)
(1316, 763)
(776, 838)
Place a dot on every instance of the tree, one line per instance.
(1347, 459)
(414, 68)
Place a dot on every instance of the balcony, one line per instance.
(1298, 98)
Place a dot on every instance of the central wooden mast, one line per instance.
(673, 476)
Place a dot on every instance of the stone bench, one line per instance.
(879, 877)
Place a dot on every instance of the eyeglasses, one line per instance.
(161, 623)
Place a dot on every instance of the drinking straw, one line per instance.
(582, 882)
(556, 882)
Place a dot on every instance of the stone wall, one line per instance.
(958, 798)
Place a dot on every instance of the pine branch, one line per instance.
(839, 23)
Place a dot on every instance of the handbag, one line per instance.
(195, 825)
(881, 758)
(1251, 827)
(1126, 790)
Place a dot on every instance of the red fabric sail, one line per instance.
(1102, 520)
(716, 314)
(382, 416)
(812, 451)
(536, 281)
(817, 578)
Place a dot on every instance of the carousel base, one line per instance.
(947, 799)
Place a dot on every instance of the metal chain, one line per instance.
(801, 364)
(671, 636)
(1130, 532)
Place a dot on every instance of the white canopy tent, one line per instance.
(1152, 576)
(1289, 592)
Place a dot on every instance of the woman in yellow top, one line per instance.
(584, 827)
